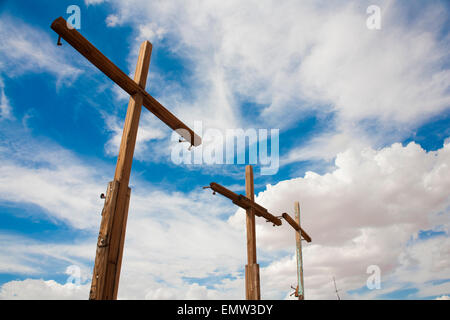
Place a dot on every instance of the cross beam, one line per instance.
(296, 226)
(245, 203)
(83, 46)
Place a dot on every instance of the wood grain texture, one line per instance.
(296, 226)
(300, 290)
(252, 269)
(252, 282)
(84, 47)
(97, 291)
(245, 203)
(250, 216)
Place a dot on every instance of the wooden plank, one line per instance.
(245, 203)
(101, 256)
(258, 210)
(298, 241)
(83, 46)
(296, 226)
(250, 216)
(252, 268)
(252, 282)
(119, 259)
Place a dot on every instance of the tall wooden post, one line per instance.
(298, 238)
(252, 284)
(108, 260)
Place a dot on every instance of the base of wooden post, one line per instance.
(106, 273)
(252, 287)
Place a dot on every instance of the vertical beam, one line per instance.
(108, 259)
(298, 239)
(252, 284)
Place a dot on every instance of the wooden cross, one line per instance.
(108, 259)
(252, 283)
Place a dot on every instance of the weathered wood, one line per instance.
(296, 226)
(250, 216)
(300, 291)
(245, 203)
(252, 269)
(252, 282)
(101, 257)
(83, 46)
(119, 258)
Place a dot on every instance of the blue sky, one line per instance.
(363, 118)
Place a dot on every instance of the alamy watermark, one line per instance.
(74, 273)
(230, 147)
(74, 20)
(374, 280)
(373, 22)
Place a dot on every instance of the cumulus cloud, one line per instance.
(31, 289)
(368, 210)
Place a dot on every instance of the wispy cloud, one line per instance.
(31, 50)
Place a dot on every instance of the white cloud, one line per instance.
(31, 50)
(93, 2)
(112, 20)
(31, 289)
(443, 298)
(150, 129)
(5, 107)
(365, 212)
(40, 173)
(26, 256)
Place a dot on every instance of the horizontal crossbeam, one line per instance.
(83, 46)
(245, 203)
(295, 225)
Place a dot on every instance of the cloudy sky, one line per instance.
(364, 144)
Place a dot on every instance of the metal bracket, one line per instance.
(208, 187)
(181, 140)
(102, 242)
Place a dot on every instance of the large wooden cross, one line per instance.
(252, 283)
(108, 259)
